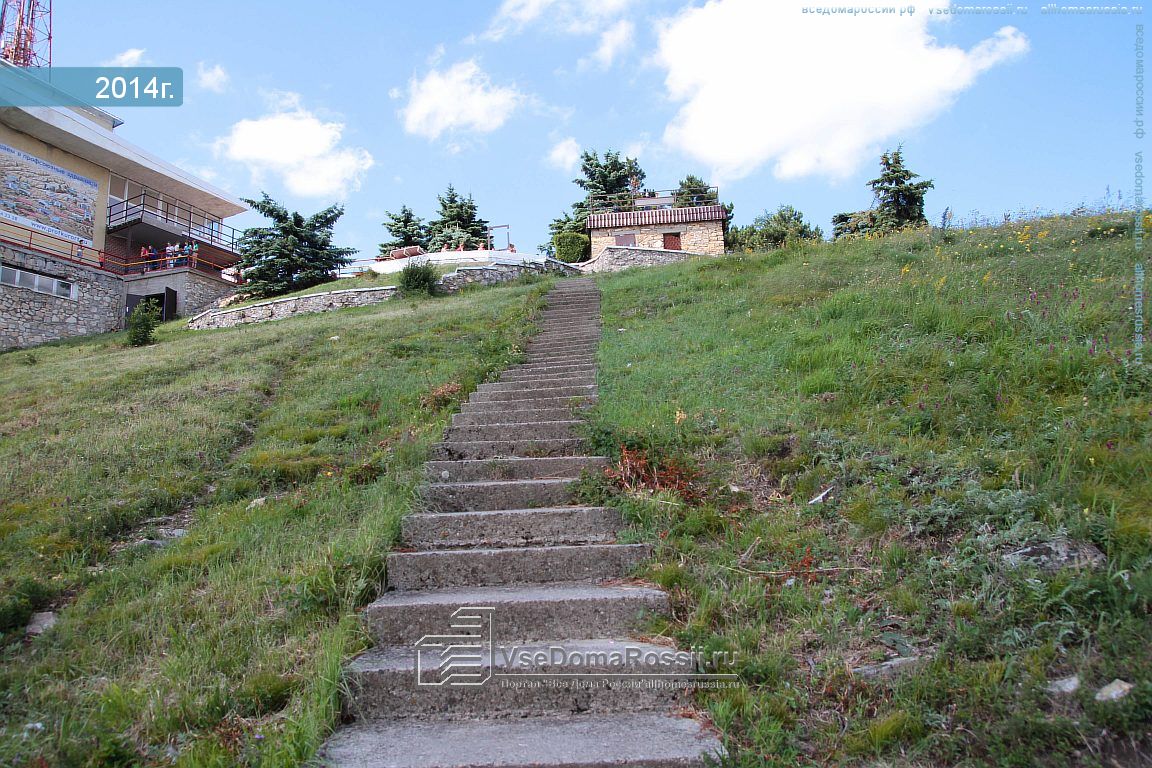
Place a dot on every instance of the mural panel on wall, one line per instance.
(44, 197)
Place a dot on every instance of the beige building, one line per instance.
(692, 230)
(85, 218)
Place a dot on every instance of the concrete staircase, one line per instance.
(499, 538)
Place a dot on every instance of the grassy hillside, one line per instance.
(223, 646)
(959, 398)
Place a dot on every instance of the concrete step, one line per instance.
(489, 567)
(531, 370)
(586, 311)
(523, 612)
(585, 375)
(561, 341)
(513, 469)
(545, 526)
(511, 417)
(497, 494)
(383, 681)
(537, 393)
(579, 379)
(528, 404)
(569, 347)
(566, 336)
(544, 357)
(541, 430)
(564, 340)
(640, 740)
(493, 449)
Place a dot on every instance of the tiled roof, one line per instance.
(657, 216)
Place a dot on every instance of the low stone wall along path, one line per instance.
(509, 610)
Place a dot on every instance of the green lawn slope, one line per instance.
(223, 647)
(835, 446)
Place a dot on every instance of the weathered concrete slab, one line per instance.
(492, 449)
(638, 740)
(489, 567)
(542, 526)
(497, 494)
(541, 430)
(513, 469)
(522, 612)
(383, 680)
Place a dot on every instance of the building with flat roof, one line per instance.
(86, 219)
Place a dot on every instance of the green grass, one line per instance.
(963, 395)
(225, 646)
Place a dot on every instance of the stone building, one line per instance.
(79, 210)
(695, 230)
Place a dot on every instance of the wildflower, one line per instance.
(680, 416)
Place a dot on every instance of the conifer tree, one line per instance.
(604, 179)
(457, 214)
(899, 199)
(294, 253)
(406, 229)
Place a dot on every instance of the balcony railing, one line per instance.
(65, 250)
(191, 221)
(651, 199)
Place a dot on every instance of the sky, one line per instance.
(375, 105)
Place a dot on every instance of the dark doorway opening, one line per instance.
(165, 301)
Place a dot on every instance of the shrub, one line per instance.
(572, 246)
(142, 323)
(418, 276)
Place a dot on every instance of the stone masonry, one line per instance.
(28, 317)
(705, 238)
(618, 257)
(279, 309)
(510, 635)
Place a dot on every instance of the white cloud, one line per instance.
(395, 93)
(819, 94)
(564, 155)
(133, 57)
(460, 98)
(572, 16)
(297, 147)
(612, 42)
(214, 78)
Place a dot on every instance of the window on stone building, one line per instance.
(672, 241)
(628, 239)
(36, 282)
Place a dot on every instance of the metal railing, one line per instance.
(653, 199)
(66, 250)
(193, 222)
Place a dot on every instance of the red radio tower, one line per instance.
(26, 32)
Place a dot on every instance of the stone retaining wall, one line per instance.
(617, 257)
(278, 309)
(28, 317)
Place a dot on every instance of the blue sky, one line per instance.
(381, 104)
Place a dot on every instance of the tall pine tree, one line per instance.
(294, 253)
(458, 224)
(406, 229)
(899, 199)
(611, 181)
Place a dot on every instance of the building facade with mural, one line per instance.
(86, 224)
